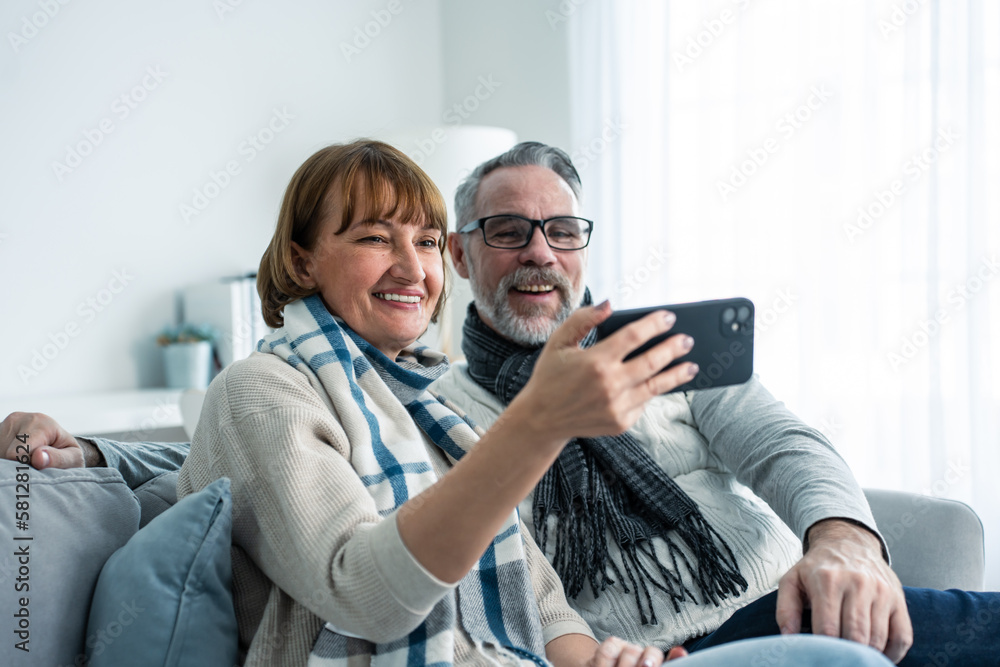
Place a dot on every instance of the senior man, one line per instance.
(654, 533)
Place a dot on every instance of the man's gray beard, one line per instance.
(533, 328)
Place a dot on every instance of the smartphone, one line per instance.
(723, 339)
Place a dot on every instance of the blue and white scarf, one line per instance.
(383, 405)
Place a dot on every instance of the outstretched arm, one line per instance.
(51, 446)
(448, 527)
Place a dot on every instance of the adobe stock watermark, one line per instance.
(610, 132)
(33, 24)
(98, 642)
(927, 329)
(225, 7)
(711, 30)
(641, 274)
(774, 653)
(912, 169)
(900, 14)
(566, 9)
(985, 624)
(462, 111)
(457, 114)
(722, 363)
(248, 150)
(364, 34)
(121, 108)
(765, 318)
(830, 426)
(786, 127)
(955, 473)
(87, 311)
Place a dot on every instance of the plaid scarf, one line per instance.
(383, 405)
(607, 484)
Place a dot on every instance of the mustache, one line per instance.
(535, 274)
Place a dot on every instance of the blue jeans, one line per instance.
(788, 651)
(950, 628)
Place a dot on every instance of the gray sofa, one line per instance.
(934, 542)
(78, 518)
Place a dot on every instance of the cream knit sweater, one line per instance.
(308, 544)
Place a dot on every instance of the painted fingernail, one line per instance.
(670, 318)
(687, 343)
(693, 370)
(603, 305)
(44, 459)
(647, 663)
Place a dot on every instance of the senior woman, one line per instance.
(357, 498)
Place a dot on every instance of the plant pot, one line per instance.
(187, 365)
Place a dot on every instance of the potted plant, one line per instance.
(187, 355)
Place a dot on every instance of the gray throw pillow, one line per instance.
(73, 520)
(165, 598)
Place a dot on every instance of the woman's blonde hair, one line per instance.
(392, 184)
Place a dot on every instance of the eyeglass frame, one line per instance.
(535, 224)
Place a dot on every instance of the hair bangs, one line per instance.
(377, 185)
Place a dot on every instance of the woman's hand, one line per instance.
(576, 392)
(615, 652)
(49, 444)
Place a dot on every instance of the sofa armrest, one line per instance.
(933, 542)
(73, 520)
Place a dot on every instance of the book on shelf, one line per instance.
(232, 307)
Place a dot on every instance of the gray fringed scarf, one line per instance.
(605, 483)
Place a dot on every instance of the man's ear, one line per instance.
(458, 255)
(301, 261)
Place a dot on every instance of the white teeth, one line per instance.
(535, 288)
(398, 297)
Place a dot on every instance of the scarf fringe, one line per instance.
(582, 557)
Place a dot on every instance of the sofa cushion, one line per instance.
(934, 542)
(157, 496)
(75, 520)
(165, 598)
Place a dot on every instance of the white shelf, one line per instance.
(137, 411)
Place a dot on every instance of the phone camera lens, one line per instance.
(744, 314)
(728, 315)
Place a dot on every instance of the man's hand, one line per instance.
(850, 588)
(49, 444)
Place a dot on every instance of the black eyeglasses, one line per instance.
(513, 231)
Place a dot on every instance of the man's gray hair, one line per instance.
(525, 154)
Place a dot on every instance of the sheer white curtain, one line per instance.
(839, 163)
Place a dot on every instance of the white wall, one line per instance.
(223, 71)
(520, 46)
